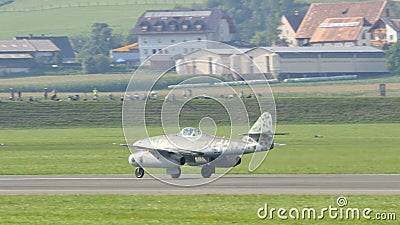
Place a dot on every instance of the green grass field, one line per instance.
(72, 17)
(344, 149)
(182, 209)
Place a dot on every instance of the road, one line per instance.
(231, 184)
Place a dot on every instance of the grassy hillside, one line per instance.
(290, 111)
(73, 17)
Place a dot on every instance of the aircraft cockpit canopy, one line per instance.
(190, 132)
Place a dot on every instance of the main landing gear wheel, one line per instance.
(207, 170)
(176, 175)
(139, 172)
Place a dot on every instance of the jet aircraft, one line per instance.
(193, 147)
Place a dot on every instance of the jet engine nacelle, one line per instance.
(227, 161)
(155, 160)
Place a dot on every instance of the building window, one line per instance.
(185, 25)
(199, 39)
(154, 51)
(391, 37)
(172, 41)
(145, 51)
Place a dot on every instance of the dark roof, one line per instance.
(393, 22)
(173, 21)
(318, 12)
(239, 44)
(62, 42)
(295, 20)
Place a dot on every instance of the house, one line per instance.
(288, 28)
(23, 55)
(385, 31)
(128, 54)
(349, 31)
(67, 54)
(317, 13)
(159, 29)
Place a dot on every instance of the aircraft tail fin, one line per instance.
(262, 131)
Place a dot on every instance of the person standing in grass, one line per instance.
(95, 94)
(45, 93)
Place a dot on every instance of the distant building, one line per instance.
(288, 28)
(67, 54)
(385, 31)
(339, 32)
(317, 13)
(284, 62)
(225, 62)
(158, 29)
(128, 55)
(22, 55)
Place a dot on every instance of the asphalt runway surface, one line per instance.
(230, 184)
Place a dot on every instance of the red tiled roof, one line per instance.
(339, 29)
(318, 12)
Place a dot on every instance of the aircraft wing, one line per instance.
(176, 151)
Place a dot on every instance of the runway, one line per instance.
(230, 184)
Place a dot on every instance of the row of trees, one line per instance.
(94, 50)
(256, 20)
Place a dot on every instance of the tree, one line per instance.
(393, 58)
(257, 20)
(96, 64)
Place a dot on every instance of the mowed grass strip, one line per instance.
(342, 149)
(183, 209)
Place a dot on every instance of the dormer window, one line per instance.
(159, 26)
(199, 25)
(185, 25)
(173, 25)
(145, 26)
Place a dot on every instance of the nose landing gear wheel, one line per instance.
(176, 175)
(207, 170)
(139, 172)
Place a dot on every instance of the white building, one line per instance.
(159, 29)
